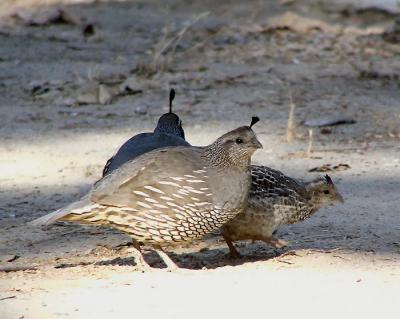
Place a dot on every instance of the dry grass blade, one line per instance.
(290, 129)
(310, 142)
(175, 40)
(157, 64)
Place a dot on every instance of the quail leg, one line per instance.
(171, 266)
(232, 250)
(142, 265)
(275, 242)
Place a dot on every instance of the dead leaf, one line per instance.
(330, 168)
(8, 258)
(341, 167)
(299, 24)
(11, 268)
(39, 90)
(131, 84)
(329, 121)
(323, 168)
(325, 130)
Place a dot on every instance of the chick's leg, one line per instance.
(274, 241)
(232, 249)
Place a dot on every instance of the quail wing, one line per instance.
(141, 144)
(269, 184)
(160, 180)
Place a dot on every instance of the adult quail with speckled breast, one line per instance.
(276, 199)
(171, 195)
(168, 132)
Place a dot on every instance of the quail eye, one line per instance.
(239, 141)
(326, 192)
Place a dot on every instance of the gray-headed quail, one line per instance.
(276, 199)
(172, 194)
(168, 132)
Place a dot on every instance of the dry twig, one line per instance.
(11, 268)
(8, 297)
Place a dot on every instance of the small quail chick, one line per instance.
(168, 132)
(276, 199)
(171, 195)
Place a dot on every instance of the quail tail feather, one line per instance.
(84, 205)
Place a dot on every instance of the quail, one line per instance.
(276, 199)
(170, 195)
(168, 132)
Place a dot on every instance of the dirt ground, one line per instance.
(78, 79)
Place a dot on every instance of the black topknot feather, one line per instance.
(254, 120)
(328, 179)
(171, 98)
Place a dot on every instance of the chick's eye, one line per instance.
(239, 141)
(326, 192)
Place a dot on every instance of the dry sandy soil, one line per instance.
(76, 83)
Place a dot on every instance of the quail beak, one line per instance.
(256, 143)
(340, 198)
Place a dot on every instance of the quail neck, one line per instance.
(233, 149)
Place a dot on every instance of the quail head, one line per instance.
(170, 123)
(168, 132)
(274, 200)
(323, 192)
(171, 195)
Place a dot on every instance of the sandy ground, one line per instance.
(69, 98)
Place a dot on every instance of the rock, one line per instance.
(105, 94)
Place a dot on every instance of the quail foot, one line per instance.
(171, 195)
(168, 132)
(274, 200)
